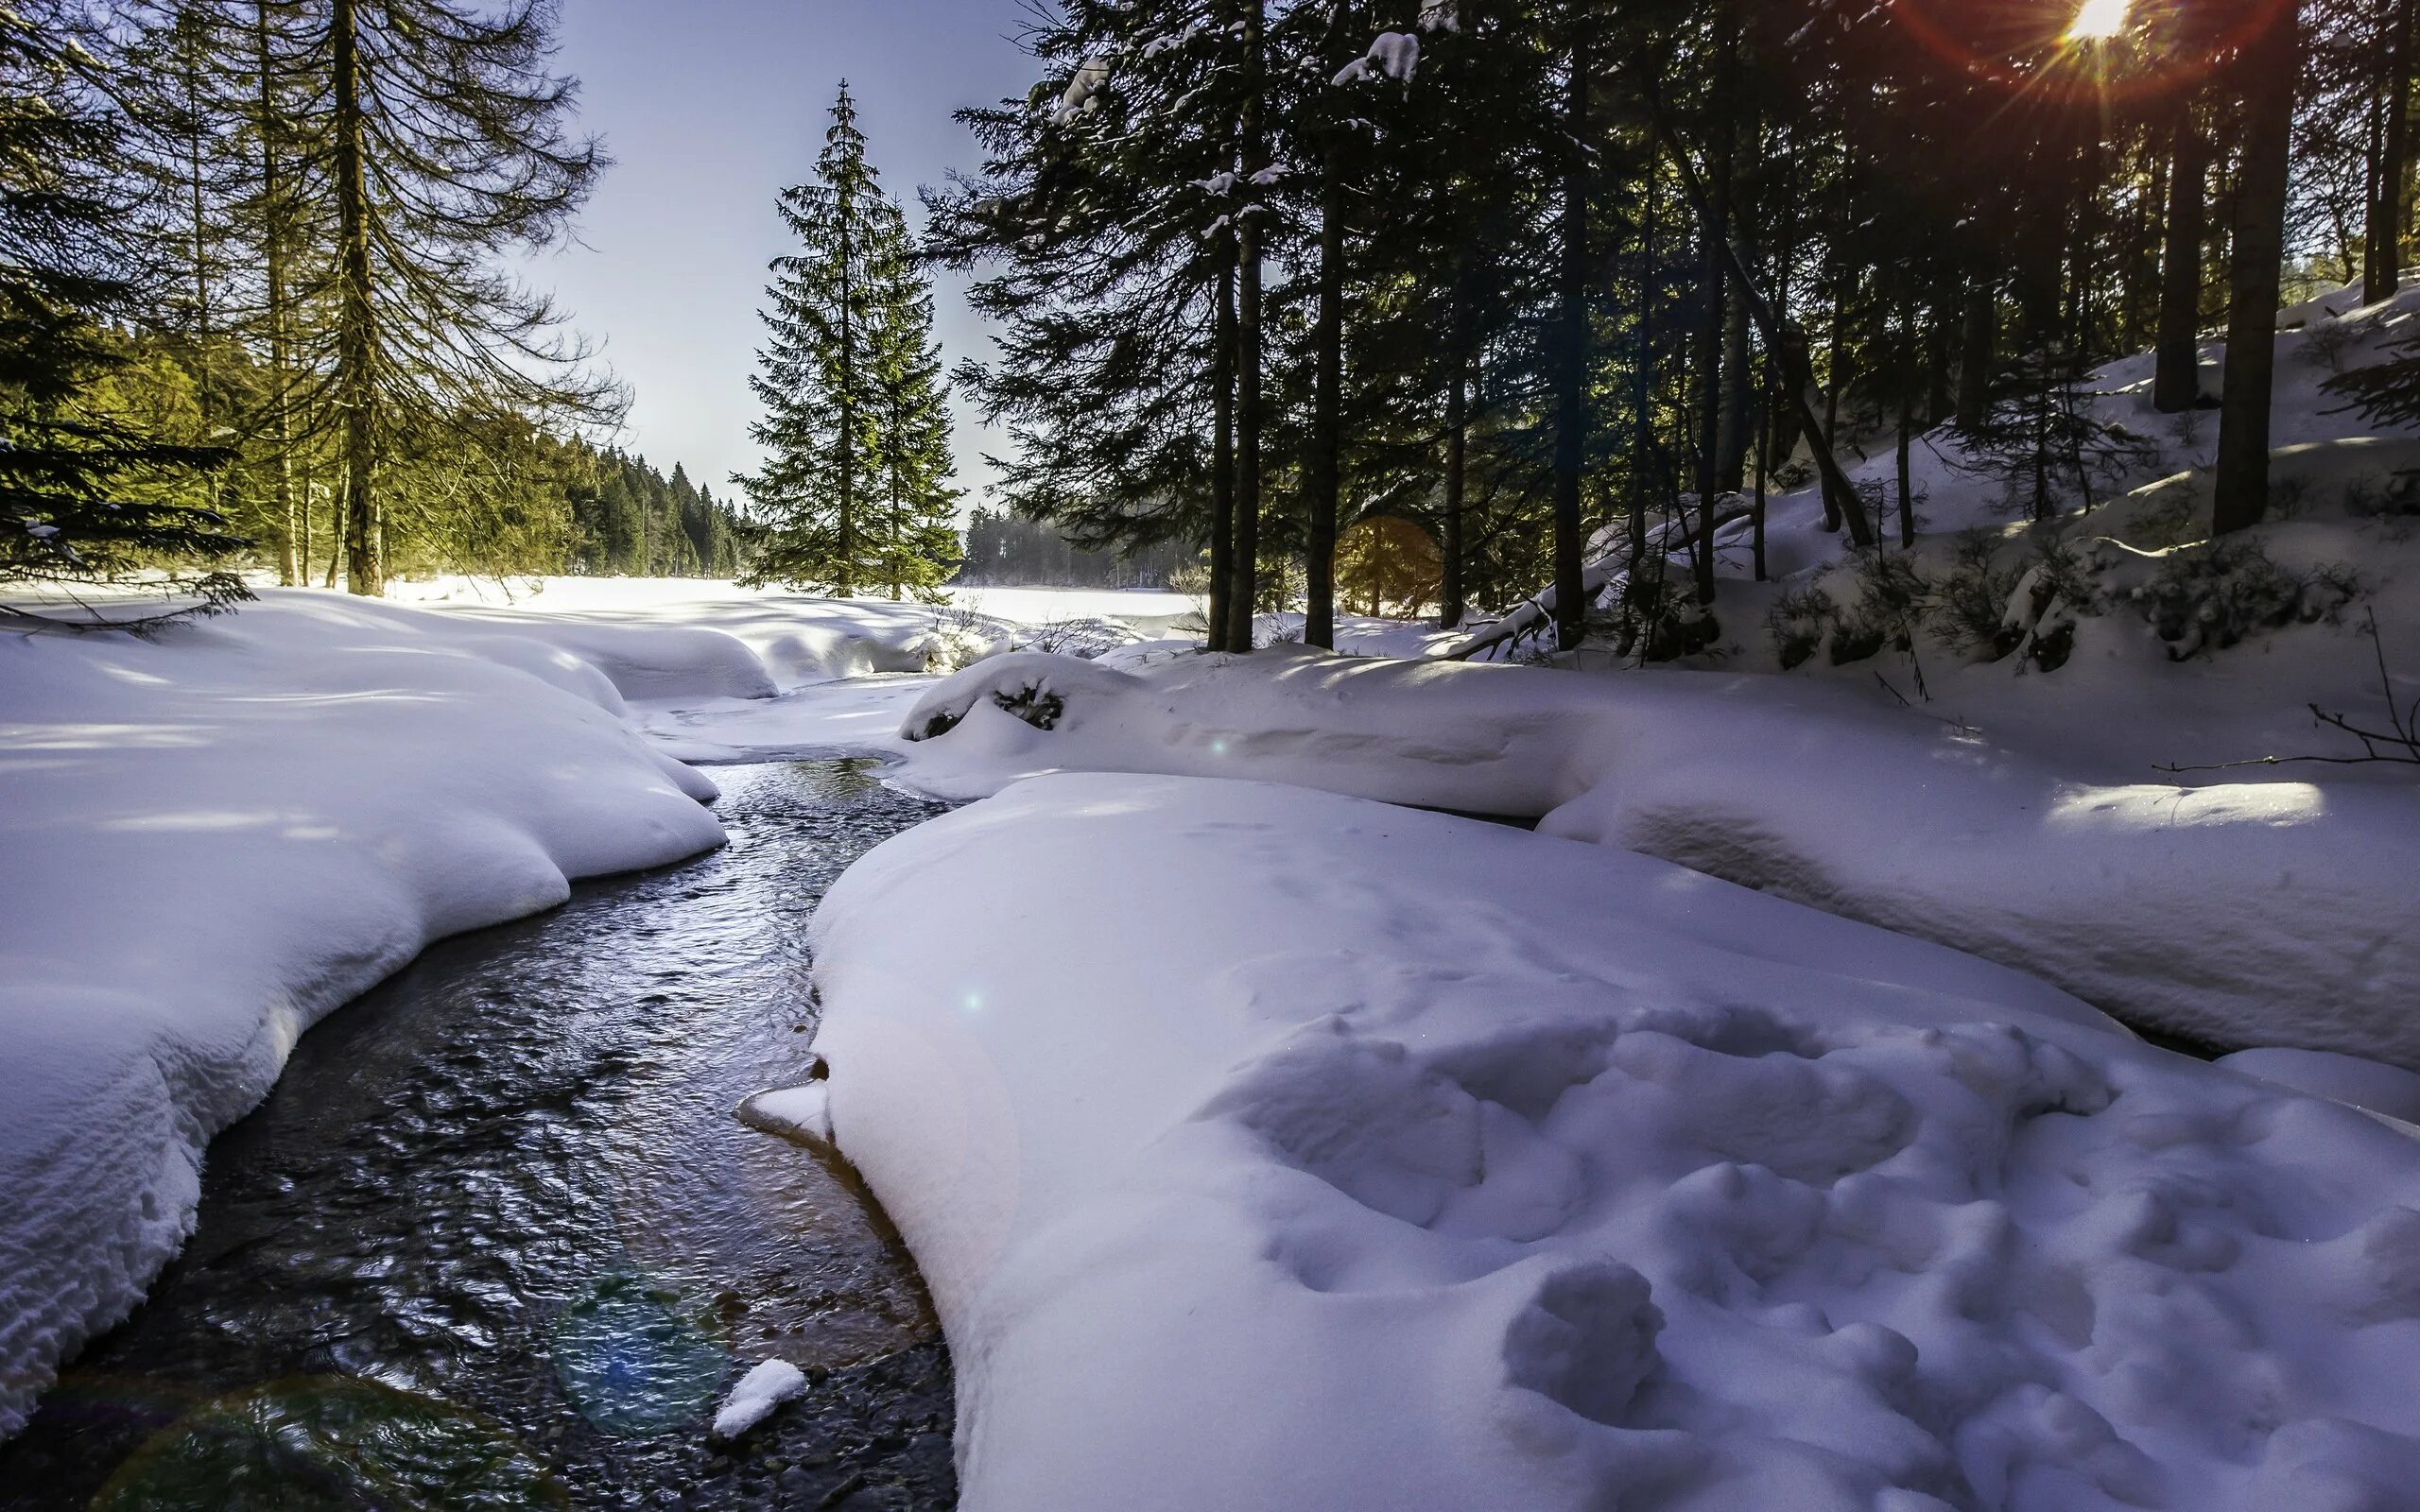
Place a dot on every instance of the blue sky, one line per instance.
(709, 107)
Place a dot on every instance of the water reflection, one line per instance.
(508, 1187)
(332, 1443)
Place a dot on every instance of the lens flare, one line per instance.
(2099, 20)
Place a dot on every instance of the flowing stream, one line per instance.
(498, 1241)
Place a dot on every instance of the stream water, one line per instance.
(498, 1241)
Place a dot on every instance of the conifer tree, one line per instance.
(85, 494)
(918, 507)
(442, 138)
(852, 492)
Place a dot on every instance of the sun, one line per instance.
(2097, 20)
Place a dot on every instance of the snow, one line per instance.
(2242, 913)
(1441, 1165)
(763, 1388)
(222, 833)
(794, 1112)
(218, 836)
(2347, 1079)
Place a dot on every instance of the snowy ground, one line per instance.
(1270, 1149)
(220, 834)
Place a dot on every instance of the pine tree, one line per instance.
(86, 493)
(855, 437)
(918, 507)
(441, 137)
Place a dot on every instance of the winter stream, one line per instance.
(497, 1239)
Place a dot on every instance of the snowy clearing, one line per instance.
(1446, 1166)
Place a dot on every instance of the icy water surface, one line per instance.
(496, 1240)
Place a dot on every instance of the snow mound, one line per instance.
(765, 1386)
(2347, 1079)
(803, 1112)
(2239, 913)
(1555, 1177)
(218, 836)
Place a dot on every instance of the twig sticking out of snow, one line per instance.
(762, 1389)
(2401, 740)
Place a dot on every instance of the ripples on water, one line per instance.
(496, 1240)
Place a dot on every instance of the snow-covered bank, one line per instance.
(1443, 1166)
(2270, 913)
(213, 839)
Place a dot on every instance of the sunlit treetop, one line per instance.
(2053, 50)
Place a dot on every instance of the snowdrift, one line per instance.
(213, 839)
(2271, 913)
(1363, 1158)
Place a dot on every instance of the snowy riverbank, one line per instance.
(216, 836)
(1442, 1165)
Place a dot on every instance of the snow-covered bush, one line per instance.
(1798, 622)
(1970, 600)
(1031, 686)
(2211, 597)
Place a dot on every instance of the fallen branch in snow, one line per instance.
(2404, 726)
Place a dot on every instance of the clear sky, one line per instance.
(709, 107)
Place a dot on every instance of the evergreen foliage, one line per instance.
(854, 494)
(89, 486)
(1006, 548)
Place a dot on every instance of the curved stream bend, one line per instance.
(496, 1240)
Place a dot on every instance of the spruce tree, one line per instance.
(86, 495)
(853, 493)
(442, 137)
(918, 507)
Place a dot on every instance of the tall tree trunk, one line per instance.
(1835, 509)
(1782, 342)
(1244, 594)
(1457, 424)
(357, 377)
(2267, 70)
(1977, 335)
(1327, 342)
(294, 543)
(2176, 383)
(1736, 429)
(1222, 458)
(2382, 262)
(1571, 369)
(1767, 420)
(844, 458)
(1714, 236)
(1907, 418)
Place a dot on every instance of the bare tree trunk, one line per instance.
(1223, 460)
(1764, 466)
(1324, 468)
(1835, 358)
(2382, 263)
(294, 544)
(1458, 421)
(2267, 70)
(844, 458)
(1571, 369)
(1244, 594)
(2176, 383)
(1907, 406)
(1714, 236)
(357, 377)
(1975, 338)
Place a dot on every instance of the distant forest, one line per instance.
(634, 521)
(1002, 549)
